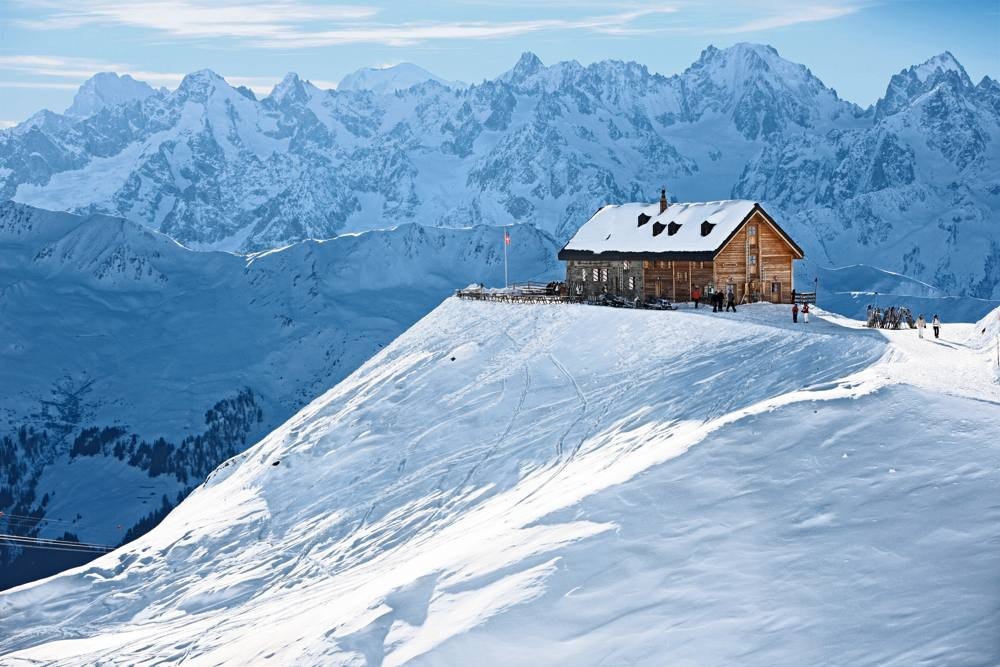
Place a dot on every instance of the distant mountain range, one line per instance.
(130, 366)
(387, 80)
(910, 184)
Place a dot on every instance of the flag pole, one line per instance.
(505, 257)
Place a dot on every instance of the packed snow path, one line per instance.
(510, 484)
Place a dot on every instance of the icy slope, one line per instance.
(574, 485)
(129, 359)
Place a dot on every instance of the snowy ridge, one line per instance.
(116, 337)
(479, 474)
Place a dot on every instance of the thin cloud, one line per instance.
(777, 15)
(297, 24)
(40, 85)
(4, 124)
(793, 17)
(292, 24)
(185, 18)
(58, 73)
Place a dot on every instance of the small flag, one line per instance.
(506, 237)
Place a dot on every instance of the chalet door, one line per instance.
(775, 292)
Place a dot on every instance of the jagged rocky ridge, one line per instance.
(131, 366)
(908, 185)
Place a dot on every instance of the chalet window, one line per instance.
(752, 233)
(753, 260)
(579, 289)
(583, 275)
(706, 228)
(631, 282)
(595, 274)
(658, 228)
(775, 288)
(643, 219)
(604, 275)
(672, 228)
(625, 265)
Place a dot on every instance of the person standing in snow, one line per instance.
(805, 313)
(696, 296)
(795, 313)
(731, 301)
(936, 324)
(921, 325)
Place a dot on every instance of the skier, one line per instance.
(795, 313)
(719, 298)
(731, 301)
(936, 324)
(805, 313)
(921, 325)
(696, 296)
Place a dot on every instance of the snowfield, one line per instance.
(513, 484)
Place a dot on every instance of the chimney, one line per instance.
(663, 201)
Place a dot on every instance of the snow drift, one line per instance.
(571, 485)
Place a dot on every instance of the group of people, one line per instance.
(796, 310)
(721, 301)
(935, 324)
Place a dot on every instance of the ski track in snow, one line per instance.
(427, 569)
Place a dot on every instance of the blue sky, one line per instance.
(48, 47)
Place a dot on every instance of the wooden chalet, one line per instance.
(650, 251)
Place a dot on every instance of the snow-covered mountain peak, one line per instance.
(526, 66)
(107, 89)
(937, 65)
(387, 80)
(292, 89)
(917, 80)
(746, 61)
(764, 93)
(200, 85)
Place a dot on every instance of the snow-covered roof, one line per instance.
(680, 229)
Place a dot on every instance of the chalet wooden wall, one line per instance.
(773, 262)
(676, 280)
